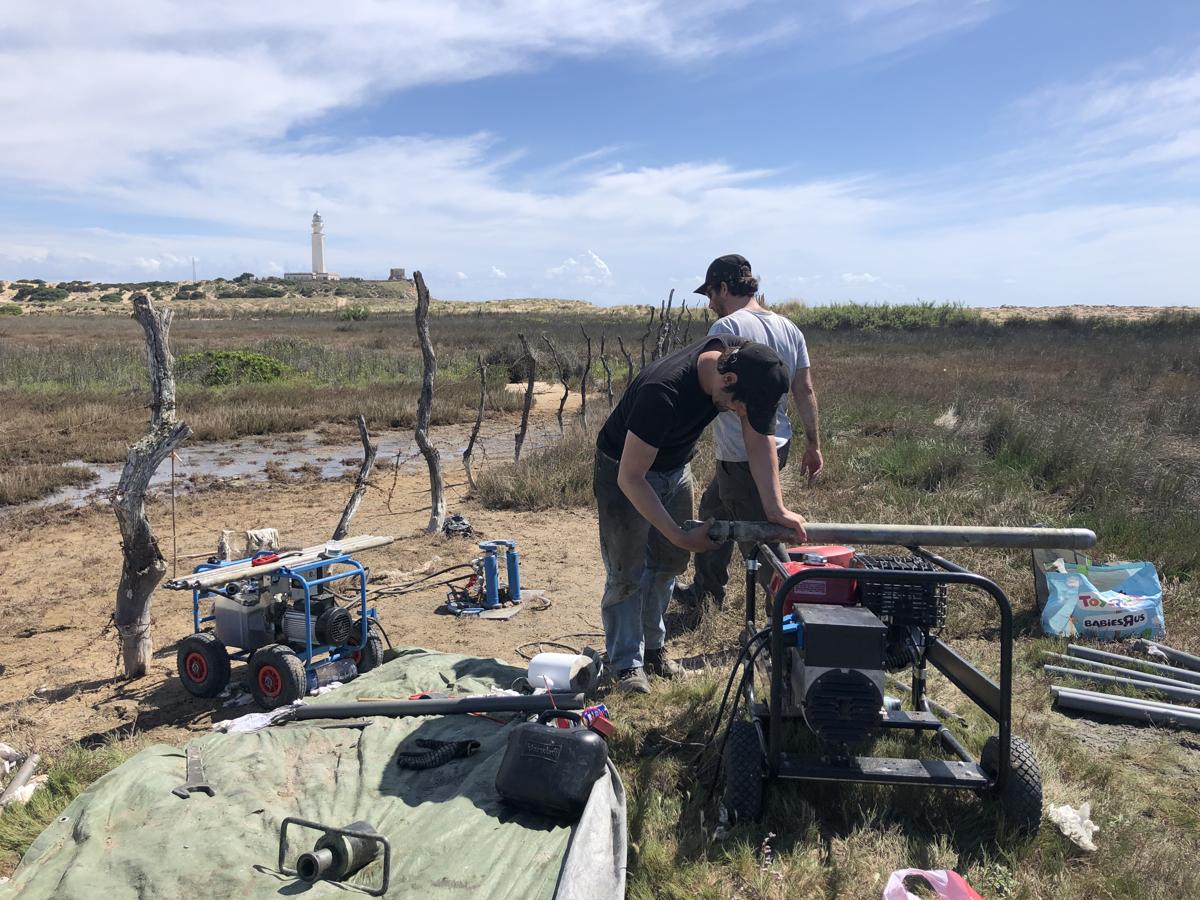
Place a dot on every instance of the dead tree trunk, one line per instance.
(628, 361)
(142, 565)
(583, 379)
(437, 498)
(360, 483)
(677, 338)
(470, 450)
(687, 330)
(663, 344)
(563, 376)
(649, 328)
(607, 373)
(531, 371)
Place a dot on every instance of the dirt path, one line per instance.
(59, 665)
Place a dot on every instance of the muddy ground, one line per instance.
(61, 677)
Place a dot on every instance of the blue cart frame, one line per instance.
(298, 575)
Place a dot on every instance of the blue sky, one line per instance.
(983, 151)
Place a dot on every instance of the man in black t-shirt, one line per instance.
(643, 484)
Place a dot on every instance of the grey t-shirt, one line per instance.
(782, 336)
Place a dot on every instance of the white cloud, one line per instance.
(461, 276)
(498, 273)
(589, 270)
(860, 278)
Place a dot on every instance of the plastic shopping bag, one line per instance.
(946, 883)
(1104, 602)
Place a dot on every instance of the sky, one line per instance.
(988, 152)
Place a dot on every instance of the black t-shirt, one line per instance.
(665, 406)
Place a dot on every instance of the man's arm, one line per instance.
(636, 458)
(764, 466)
(805, 398)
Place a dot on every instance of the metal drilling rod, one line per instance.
(1104, 656)
(1121, 671)
(1127, 708)
(1170, 690)
(906, 535)
(1187, 660)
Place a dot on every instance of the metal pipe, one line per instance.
(1104, 656)
(19, 779)
(1187, 660)
(461, 705)
(1157, 713)
(905, 535)
(1134, 701)
(1179, 693)
(1120, 670)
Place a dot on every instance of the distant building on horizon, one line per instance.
(318, 272)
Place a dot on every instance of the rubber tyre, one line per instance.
(370, 656)
(744, 771)
(1021, 799)
(203, 664)
(277, 676)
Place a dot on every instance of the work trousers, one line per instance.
(732, 494)
(640, 564)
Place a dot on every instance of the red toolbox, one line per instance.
(838, 591)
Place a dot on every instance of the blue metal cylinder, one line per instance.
(491, 578)
(514, 574)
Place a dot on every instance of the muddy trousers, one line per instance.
(732, 494)
(640, 564)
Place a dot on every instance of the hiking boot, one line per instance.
(633, 681)
(658, 663)
(688, 595)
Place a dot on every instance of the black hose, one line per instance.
(459, 705)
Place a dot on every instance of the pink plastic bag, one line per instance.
(948, 884)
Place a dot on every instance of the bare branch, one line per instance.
(469, 451)
(583, 381)
(437, 504)
(628, 361)
(645, 337)
(607, 373)
(360, 483)
(531, 370)
(563, 375)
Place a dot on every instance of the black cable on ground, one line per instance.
(557, 643)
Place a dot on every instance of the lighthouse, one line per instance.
(318, 272)
(318, 245)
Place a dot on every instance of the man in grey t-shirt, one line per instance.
(730, 287)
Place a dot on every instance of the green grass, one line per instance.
(71, 771)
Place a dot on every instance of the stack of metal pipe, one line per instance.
(1179, 682)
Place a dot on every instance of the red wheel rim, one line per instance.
(196, 667)
(356, 656)
(269, 681)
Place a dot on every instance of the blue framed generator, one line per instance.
(297, 626)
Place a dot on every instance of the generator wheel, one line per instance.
(744, 769)
(203, 664)
(1021, 799)
(370, 656)
(277, 676)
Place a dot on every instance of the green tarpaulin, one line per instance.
(451, 835)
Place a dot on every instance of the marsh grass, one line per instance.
(20, 484)
(71, 771)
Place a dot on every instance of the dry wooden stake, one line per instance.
(531, 370)
(470, 450)
(437, 515)
(360, 483)
(583, 380)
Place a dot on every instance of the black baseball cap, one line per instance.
(728, 268)
(762, 380)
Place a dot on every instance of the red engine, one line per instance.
(838, 591)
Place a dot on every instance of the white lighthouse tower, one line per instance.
(318, 245)
(318, 272)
